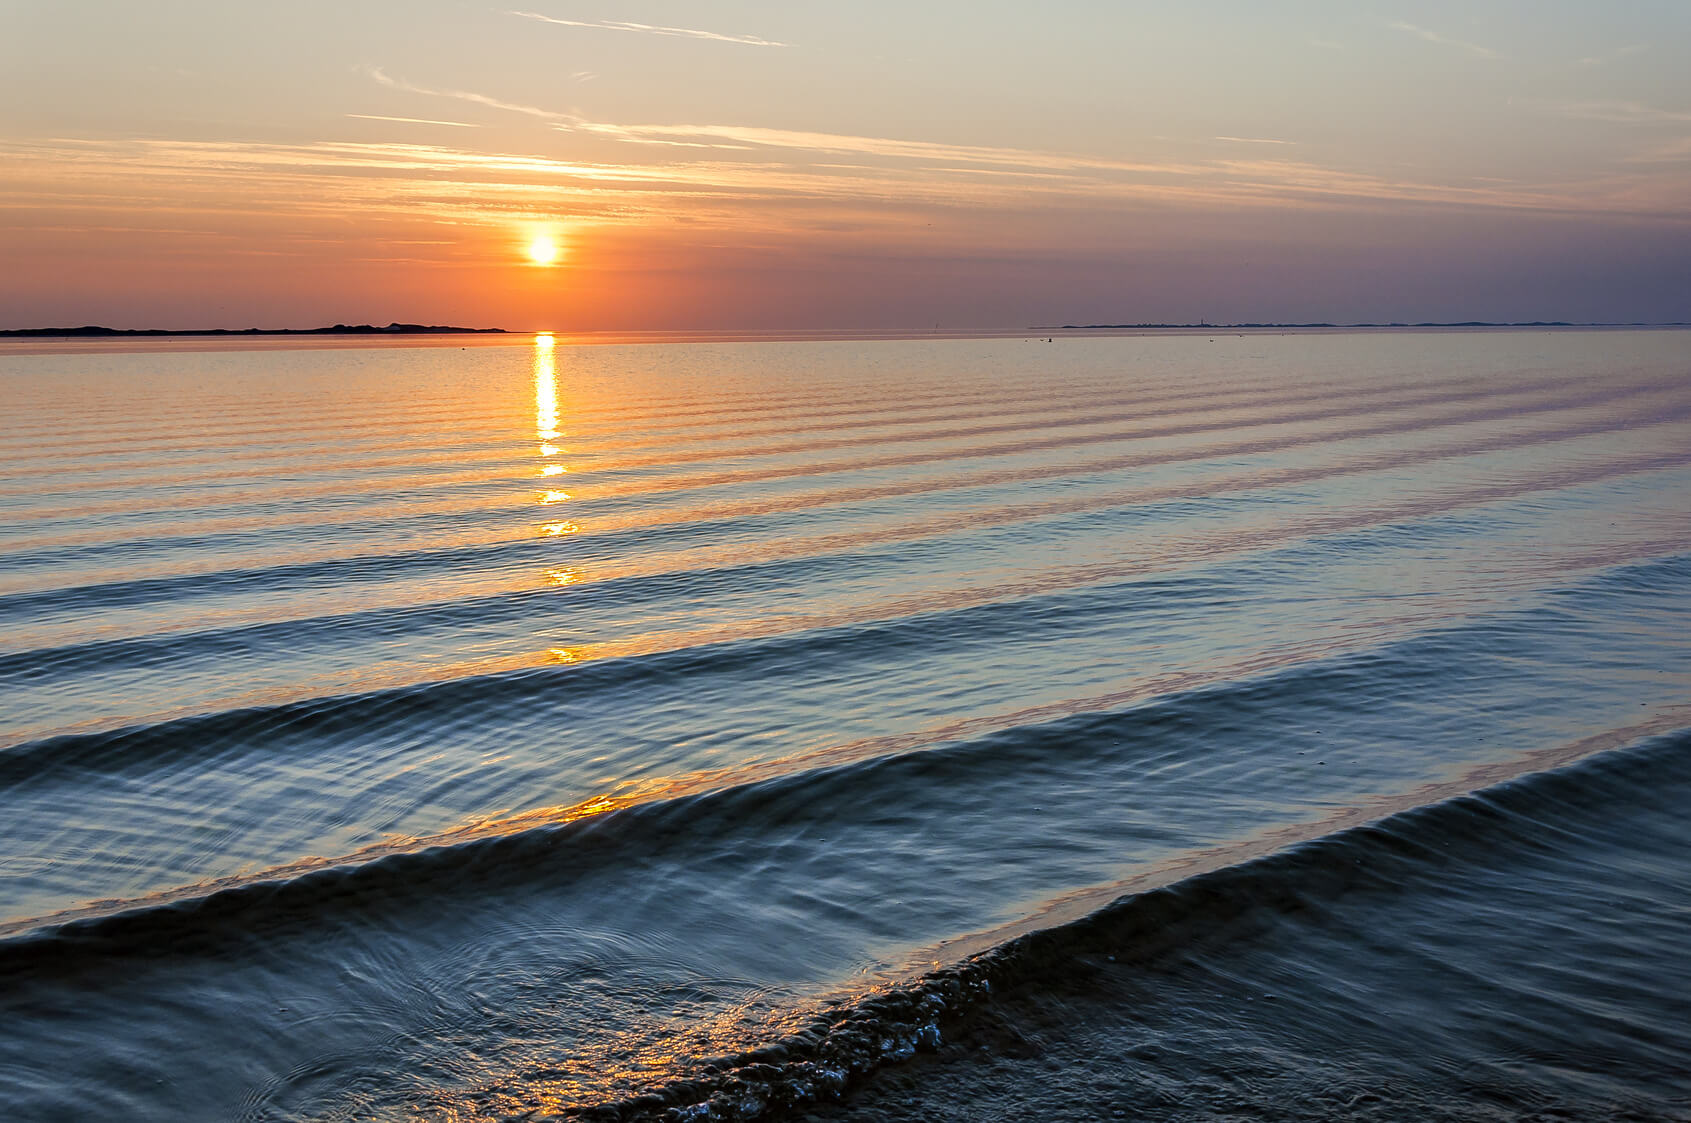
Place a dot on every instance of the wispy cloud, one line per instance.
(651, 29)
(1607, 57)
(412, 120)
(744, 137)
(1648, 120)
(733, 165)
(1445, 41)
(754, 182)
(1622, 112)
(1676, 151)
(473, 98)
(765, 163)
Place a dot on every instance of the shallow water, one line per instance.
(432, 733)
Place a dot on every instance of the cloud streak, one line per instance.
(1623, 113)
(412, 120)
(1445, 41)
(491, 188)
(1608, 57)
(1668, 152)
(383, 78)
(651, 29)
(737, 163)
(752, 137)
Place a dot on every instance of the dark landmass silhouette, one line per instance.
(1427, 324)
(338, 329)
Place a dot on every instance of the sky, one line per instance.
(874, 165)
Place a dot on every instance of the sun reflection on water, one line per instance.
(548, 419)
(546, 391)
(548, 428)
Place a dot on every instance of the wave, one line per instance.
(772, 437)
(834, 666)
(1507, 409)
(1115, 409)
(776, 557)
(1134, 727)
(1531, 805)
(280, 516)
(1528, 814)
(1448, 407)
(933, 622)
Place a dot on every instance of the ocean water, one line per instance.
(699, 730)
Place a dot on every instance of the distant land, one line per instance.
(338, 329)
(1461, 324)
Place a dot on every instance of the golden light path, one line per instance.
(546, 392)
(546, 421)
(546, 412)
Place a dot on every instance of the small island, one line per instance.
(93, 331)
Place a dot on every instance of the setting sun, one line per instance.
(543, 250)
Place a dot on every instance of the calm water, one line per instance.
(425, 733)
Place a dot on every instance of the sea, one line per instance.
(538, 727)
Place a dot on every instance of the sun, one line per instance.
(543, 250)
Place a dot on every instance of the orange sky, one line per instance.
(744, 165)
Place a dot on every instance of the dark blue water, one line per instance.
(423, 733)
